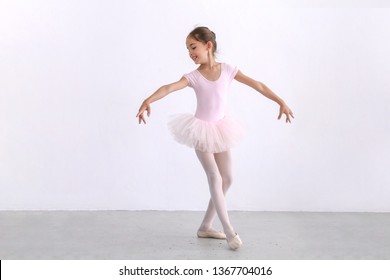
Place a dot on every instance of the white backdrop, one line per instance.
(73, 74)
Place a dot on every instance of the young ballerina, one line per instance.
(210, 131)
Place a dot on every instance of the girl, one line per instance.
(210, 131)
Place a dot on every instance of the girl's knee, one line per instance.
(214, 176)
(227, 182)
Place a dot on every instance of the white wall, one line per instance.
(73, 74)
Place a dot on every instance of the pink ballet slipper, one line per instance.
(235, 242)
(211, 234)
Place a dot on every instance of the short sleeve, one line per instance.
(231, 71)
(190, 78)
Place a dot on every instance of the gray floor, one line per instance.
(145, 235)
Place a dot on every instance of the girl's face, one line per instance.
(198, 51)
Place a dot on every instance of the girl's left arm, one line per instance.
(267, 92)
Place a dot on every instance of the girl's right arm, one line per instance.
(160, 93)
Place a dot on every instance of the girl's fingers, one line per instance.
(141, 111)
(290, 114)
(142, 119)
(287, 112)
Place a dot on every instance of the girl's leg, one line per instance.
(224, 164)
(214, 178)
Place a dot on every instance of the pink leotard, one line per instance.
(211, 95)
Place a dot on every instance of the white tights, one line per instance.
(218, 169)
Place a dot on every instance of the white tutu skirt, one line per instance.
(210, 137)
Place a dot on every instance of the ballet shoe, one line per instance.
(211, 234)
(235, 242)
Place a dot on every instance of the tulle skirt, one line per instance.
(211, 137)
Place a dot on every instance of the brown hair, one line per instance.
(204, 35)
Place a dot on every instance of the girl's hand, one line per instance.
(285, 110)
(144, 107)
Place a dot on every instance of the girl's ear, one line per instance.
(209, 45)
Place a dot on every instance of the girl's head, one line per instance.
(200, 42)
